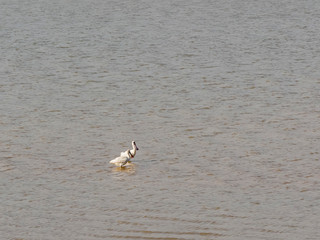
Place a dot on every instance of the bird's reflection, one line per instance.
(128, 168)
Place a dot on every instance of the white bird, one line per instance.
(123, 159)
(133, 151)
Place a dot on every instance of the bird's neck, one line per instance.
(133, 151)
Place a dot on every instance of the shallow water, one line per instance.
(222, 98)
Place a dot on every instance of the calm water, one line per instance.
(222, 98)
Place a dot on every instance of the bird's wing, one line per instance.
(123, 154)
(120, 159)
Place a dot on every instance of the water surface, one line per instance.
(222, 98)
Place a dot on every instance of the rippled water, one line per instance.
(222, 98)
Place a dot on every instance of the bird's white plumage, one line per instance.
(122, 160)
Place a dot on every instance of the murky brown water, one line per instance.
(222, 98)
